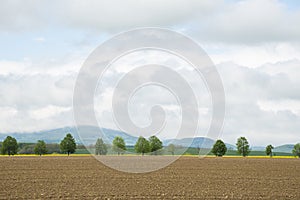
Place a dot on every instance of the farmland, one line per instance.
(83, 177)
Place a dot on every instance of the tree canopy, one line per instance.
(100, 147)
(68, 144)
(40, 148)
(296, 150)
(142, 145)
(219, 148)
(243, 147)
(155, 144)
(9, 146)
(119, 145)
(269, 150)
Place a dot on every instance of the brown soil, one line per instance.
(187, 178)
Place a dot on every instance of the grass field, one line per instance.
(183, 152)
(83, 177)
(194, 151)
(185, 155)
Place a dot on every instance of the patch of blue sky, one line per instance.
(45, 44)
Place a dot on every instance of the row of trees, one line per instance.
(142, 145)
(243, 148)
(242, 145)
(152, 145)
(10, 146)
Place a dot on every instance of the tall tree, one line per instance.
(100, 147)
(40, 148)
(119, 145)
(296, 150)
(243, 146)
(9, 146)
(155, 144)
(219, 148)
(68, 144)
(171, 148)
(142, 145)
(269, 150)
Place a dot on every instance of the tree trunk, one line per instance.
(68, 153)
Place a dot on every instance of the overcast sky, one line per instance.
(255, 45)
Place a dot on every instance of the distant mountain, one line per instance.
(258, 148)
(230, 146)
(89, 134)
(196, 142)
(287, 148)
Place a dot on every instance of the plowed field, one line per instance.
(187, 178)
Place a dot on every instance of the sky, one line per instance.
(255, 45)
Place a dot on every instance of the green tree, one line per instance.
(296, 150)
(100, 147)
(9, 146)
(171, 148)
(68, 144)
(269, 150)
(40, 148)
(142, 145)
(119, 145)
(243, 146)
(155, 144)
(219, 148)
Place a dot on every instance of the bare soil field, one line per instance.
(187, 178)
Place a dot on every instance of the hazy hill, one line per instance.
(91, 133)
(258, 148)
(287, 148)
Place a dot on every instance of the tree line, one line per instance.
(243, 148)
(67, 145)
(142, 146)
(151, 145)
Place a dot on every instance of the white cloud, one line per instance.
(103, 15)
(8, 111)
(246, 22)
(47, 112)
(249, 22)
(253, 55)
(261, 106)
(276, 106)
(118, 15)
(70, 64)
(16, 15)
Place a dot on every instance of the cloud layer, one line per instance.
(255, 44)
(261, 103)
(248, 21)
